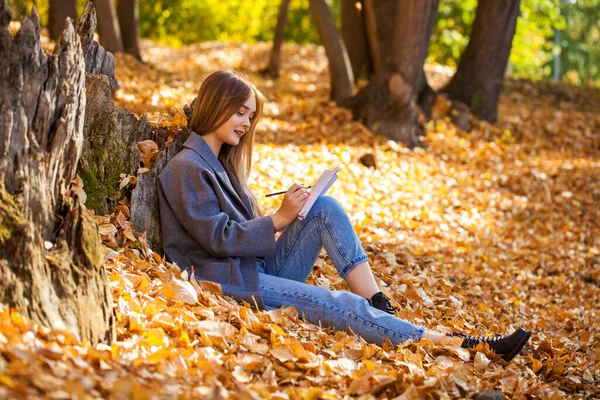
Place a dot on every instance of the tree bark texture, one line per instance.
(50, 254)
(355, 38)
(478, 79)
(387, 105)
(272, 69)
(145, 215)
(340, 69)
(128, 13)
(58, 12)
(97, 60)
(110, 147)
(111, 133)
(108, 26)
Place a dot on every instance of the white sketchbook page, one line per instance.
(323, 184)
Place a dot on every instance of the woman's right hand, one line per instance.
(292, 203)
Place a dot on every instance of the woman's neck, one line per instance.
(214, 143)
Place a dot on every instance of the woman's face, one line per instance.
(237, 125)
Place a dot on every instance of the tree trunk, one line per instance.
(58, 12)
(426, 93)
(50, 253)
(272, 69)
(426, 97)
(478, 80)
(340, 70)
(145, 215)
(110, 146)
(355, 38)
(379, 24)
(108, 26)
(387, 104)
(128, 13)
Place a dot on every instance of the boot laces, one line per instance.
(482, 338)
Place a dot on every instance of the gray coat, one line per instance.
(206, 222)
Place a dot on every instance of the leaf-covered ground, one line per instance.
(480, 232)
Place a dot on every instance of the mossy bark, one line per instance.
(50, 253)
(110, 146)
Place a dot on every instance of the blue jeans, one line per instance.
(282, 277)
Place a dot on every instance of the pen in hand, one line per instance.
(282, 192)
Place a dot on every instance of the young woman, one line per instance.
(210, 220)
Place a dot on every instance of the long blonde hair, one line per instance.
(221, 95)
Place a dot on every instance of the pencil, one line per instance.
(282, 192)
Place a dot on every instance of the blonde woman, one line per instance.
(210, 220)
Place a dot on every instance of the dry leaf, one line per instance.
(183, 290)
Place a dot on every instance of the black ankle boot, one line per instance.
(506, 346)
(380, 301)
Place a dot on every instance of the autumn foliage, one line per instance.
(477, 232)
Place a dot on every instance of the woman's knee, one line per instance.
(327, 204)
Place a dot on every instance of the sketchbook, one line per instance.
(320, 188)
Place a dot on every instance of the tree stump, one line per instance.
(97, 60)
(144, 198)
(50, 253)
(110, 147)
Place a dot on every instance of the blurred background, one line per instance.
(555, 39)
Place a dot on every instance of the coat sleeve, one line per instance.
(189, 192)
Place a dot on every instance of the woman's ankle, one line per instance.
(361, 281)
(442, 339)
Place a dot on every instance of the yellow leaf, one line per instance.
(157, 337)
(6, 381)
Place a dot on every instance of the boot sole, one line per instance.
(508, 357)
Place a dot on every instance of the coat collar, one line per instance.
(196, 143)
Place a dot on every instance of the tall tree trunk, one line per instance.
(355, 37)
(108, 26)
(272, 69)
(340, 70)
(426, 93)
(478, 80)
(50, 253)
(128, 13)
(379, 25)
(387, 104)
(58, 12)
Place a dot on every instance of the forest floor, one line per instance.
(476, 232)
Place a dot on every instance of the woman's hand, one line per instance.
(294, 199)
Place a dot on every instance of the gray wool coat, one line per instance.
(207, 223)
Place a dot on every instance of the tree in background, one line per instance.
(58, 12)
(128, 14)
(340, 69)
(579, 41)
(395, 38)
(108, 26)
(355, 38)
(478, 80)
(398, 34)
(272, 68)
